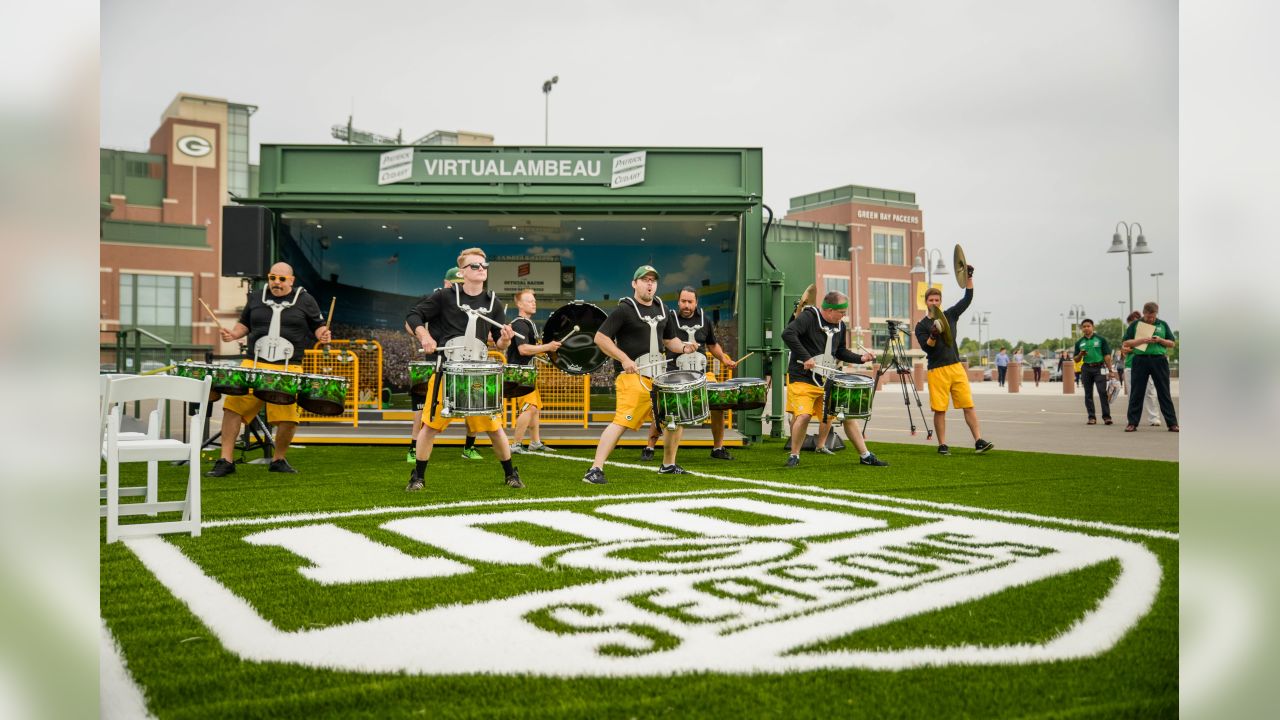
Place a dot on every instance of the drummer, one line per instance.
(687, 314)
(627, 334)
(807, 337)
(521, 352)
(451, 276)
(301, 325)
(444, 310)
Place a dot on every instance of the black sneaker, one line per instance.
(415, 482)
(982, 446)
(721, 453)
(944, 450)
(513, 480)
(595, 476)
(646, 454)
(281, 465)
(871, 459)
(222, 468)
(793, 460)
(672, 469)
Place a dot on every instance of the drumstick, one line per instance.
(744, 357)
(211, 315)
(328, 319)
(497, 324)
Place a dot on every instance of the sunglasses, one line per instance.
(281, 278)
(478, 266)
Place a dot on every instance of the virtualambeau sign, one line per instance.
(750, 580)
(615, 170)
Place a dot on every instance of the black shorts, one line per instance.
(417, 401)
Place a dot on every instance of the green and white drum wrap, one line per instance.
(275, 386)
(471, 388)
(323, 394)
(680, 397)
(196, 371)
(723, 395)
(751, 393)
(420, 372)
(850, 396)
(231, 379)
(519, 380)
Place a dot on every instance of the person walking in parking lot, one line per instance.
(1002, 364)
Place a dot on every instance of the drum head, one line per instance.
(677, 378)
(578, 354)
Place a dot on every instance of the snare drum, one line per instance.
(680, 397)
(519, 380)
(230, 379)
(471, 388)
(723, 395)
(277, 387)
(420, 372)
(850, 396)
(323, 394)
(751, 393)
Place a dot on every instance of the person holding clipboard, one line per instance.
(1149, 340)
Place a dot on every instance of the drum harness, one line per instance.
(696, 361)
(271, 347)
(653, 359)
(470, 348)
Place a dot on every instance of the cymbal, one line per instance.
(962, 267)
(936, 314)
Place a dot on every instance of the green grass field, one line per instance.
(185, 670)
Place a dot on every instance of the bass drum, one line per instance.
(578, 354)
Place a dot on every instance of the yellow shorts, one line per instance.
(804, 399)
(533, 399)
(476, 424)
(949, 381)
(247, 406)
(634, 404)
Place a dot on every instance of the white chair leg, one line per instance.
(193, 480)
(113, 484)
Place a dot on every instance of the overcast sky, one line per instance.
(1026, 128)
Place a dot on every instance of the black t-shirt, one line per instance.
(940, 355)
(445, 321)
(805, 338)
(624, 327)
(298, 323)
(705, 335)
(525, 327)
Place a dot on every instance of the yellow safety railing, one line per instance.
(566, 399)
(339, 363)
(370, 354)
(722, 374)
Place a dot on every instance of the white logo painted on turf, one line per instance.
(693, 593)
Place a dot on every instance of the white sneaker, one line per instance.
(540, 447)
(1155, 423)
(518, 449)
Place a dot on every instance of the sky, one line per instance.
(1027, 129)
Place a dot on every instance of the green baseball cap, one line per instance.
(645, 270)
(453, 275)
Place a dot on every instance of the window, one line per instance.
(160, 304)
(890, 299)
(887, 249)
(835, 284)
(833, 248)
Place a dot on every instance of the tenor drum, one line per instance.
(680, 397)
(751, 393)
(323, 394)
(519, 380)
(850, 396)
(196, 371)
(471, 388)
(420, 372)
(723, 395)
(277, 387)
(230, 379)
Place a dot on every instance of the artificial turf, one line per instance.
(185, 672)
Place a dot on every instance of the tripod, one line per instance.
(893, 359)
(255, 435)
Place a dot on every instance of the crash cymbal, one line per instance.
(962, 267)
(936, 314)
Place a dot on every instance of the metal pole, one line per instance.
(1128, 239)
(857, 289)
(546, 118)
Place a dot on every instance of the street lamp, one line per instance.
(546, 112)
(1121, 312)
(921, 266)
(857, 287)
(1076, 313)
(1157, 277)
(980, 318)
(1129, 248)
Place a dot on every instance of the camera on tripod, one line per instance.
(895, 327)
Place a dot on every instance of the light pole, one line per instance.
(1130, 248)
(1121, 312)
(546, 109)
(980, 318)
(857, 287)
(1076, 313)
(1063, 318)
(1157, 277)
(921, 266)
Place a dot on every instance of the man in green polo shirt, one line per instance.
(1150, 362)
(1096, 354)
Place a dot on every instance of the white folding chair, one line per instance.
(153, 449)
(152, 471)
